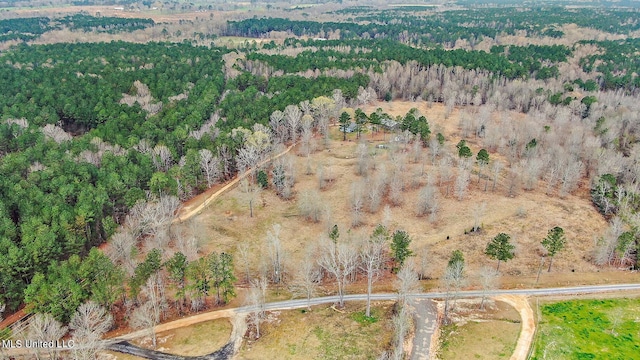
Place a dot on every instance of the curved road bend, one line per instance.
(303, 303)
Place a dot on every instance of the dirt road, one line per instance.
(188, 212)
(521, 304)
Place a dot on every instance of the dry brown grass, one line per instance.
(526, 217)
(194, 340)
(491, 334)
(322, 333)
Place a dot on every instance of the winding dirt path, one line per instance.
(521, 304)
(176, 324)
(187, 211)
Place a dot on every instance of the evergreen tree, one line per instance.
(500, 249)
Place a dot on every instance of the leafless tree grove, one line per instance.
(372, 257)
(90, 322)
(44, 328)
(276, 253)
(407, 282)
(340, 261)
(152, 309)
(256, 299)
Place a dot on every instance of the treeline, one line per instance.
(403, 28)
(110, 125)
(538, 19)
(104, 24)
(448, 26)
(62, 195)
(246, 105)
(27, 29)
(379, 51)
(619, 63)
(35, 26)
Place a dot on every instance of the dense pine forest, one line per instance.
(93, 135)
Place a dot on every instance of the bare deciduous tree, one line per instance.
(187, 238)
(256, 300)
(396, 187)
(372, 257)
(244, 259)
(120, 250)
(407, 282)
(311, 205)
(427, 201)
(496, 168)
(279, 128)
(416, 151)
(251, 193)
(162, 158)
(453, 280)
(607, 244)
(514, 177)
(422, 263)
(357, 203)
(462, 183)
(276, 254)
(570, 177)
(375, 189)
(489, 279)
(210, 166)
(150, 312)
(477, 211)
(307, 146)
(364, 159)
(293, 115)
(89, 323)
(44, 328)
(434, 149)
(247, 159)
(444, 169)
(339, 260)
(306, 279)
(401, 326)
(283, 176)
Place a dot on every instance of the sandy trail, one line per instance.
(188, 212)
(521, 304)
(213, 315)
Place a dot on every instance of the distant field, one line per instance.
(589, 329)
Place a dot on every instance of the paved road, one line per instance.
(575, 290)
(302, 303)
(425, 318)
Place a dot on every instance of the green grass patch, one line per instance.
(589, 329)
(446, 334)
(362, 319)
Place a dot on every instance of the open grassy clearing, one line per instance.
(589, 329)
(526, 217)
(478, 334)
(195, 340)
(322, 333)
